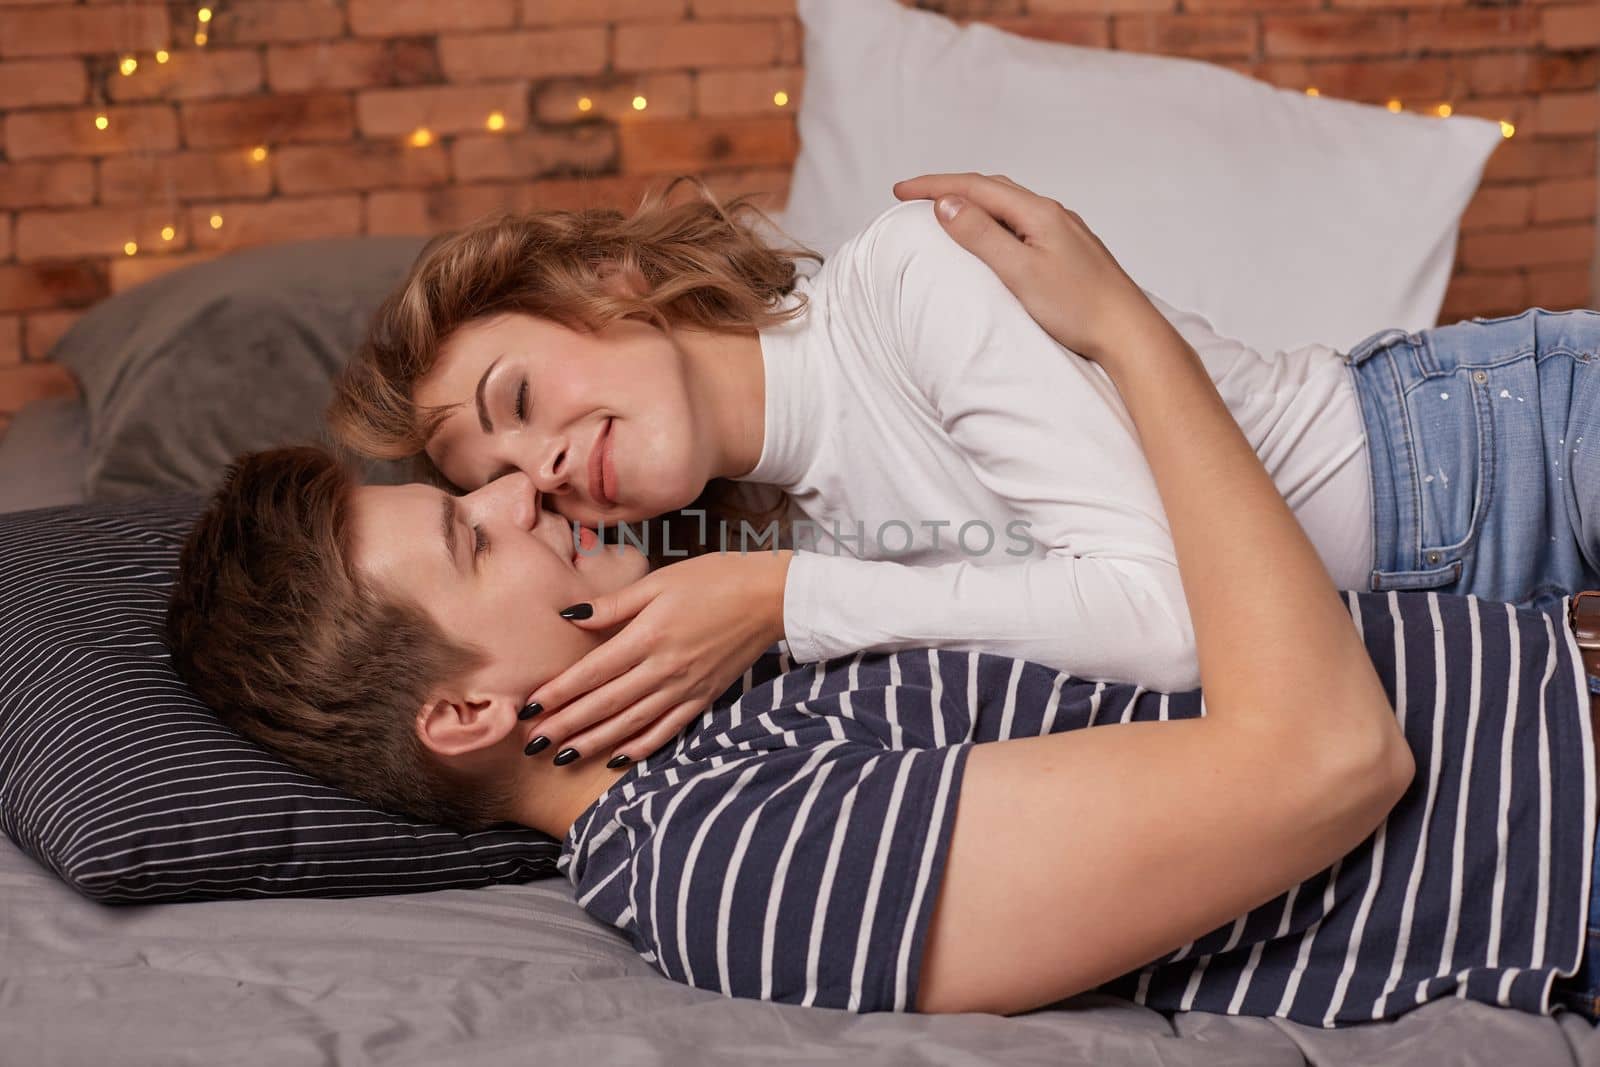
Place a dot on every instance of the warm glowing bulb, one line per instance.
(129, 65)
(162, 55)
(1394, 105)
(200, 38)
(1506, 129)
(639, 103)
(780, 98)
(258, 153)
(496, 120)
(1312, 91)
(584, 103)
(1444, 111)
(421, 137)
(216, 222)
(204, 14)
(168, 233)
(130, 248)
(101, 122)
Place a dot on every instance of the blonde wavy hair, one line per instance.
(696, 264)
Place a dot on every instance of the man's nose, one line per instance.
(511, 497)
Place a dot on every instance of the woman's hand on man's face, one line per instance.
(688, 631)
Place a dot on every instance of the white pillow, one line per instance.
(1283, 218)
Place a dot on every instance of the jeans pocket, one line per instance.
(1453, 443)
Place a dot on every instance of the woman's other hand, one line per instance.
(1045, 254)
(688, 631)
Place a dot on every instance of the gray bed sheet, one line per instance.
(519, 974)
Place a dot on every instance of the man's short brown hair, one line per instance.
(273, 628)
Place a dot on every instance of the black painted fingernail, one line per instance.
(530, 711)
(566, 756)
(578, 611)
(536, 746)
(616, 761)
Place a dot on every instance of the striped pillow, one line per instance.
(116, 777)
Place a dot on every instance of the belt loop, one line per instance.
(1378, 341)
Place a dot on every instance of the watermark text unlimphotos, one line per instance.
(892, 537)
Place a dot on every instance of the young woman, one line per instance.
(925, 399)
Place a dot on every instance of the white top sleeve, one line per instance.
(1099, 595)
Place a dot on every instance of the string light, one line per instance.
(1394, 105)
(421, 137)
(168, 233)
(130, 248)
(129, 65)
(216, 222)
(584, 103)
(162, 55)
(780, 98)
(1506, 129)
(101, 122)
(639, 103)
(258, 154)
(1313, 91)
(1444, 110)
(200, 38)
(204, 14)
(496, 120)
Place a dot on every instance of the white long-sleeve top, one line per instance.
(975, 484)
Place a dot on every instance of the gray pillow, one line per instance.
(181, 374)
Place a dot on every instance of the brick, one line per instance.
(790, 39)
(1371, 5)
(42, 329)
(1520, 111)
(1560, 288)
(57, 184)
(143, 179)
(582, 149)
(363, 165)
(398, 18)
(297, 117)
(1530, 159)
(5, 237)
(193, 74)
(72, 132)
(1206, 7)
(704, 9)
(445, 109)
(27, 382)
(1530, 71)
(10, 339)
(528, 54)
(749, 92)
(1498, 207)
(1474, 30)
(1497, 293)
(129, 271)
(92, 231)
(1537, 246)
(72, 31)
(1570, 26)
(30, 286)
(669, 46)
(284, 219)
(667, 96)
(1374, 81)
(458, 205)
(351, 65)
(1333, 34)
(397, 213)
(768, 186)
(1572, 199)
(1569, 113)
(270, 21)
(32, 82)
(692, 144)
(545, 12)
(1085, 31)
(1186, 35)
(965, 11)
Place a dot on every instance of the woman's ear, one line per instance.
(453, 725)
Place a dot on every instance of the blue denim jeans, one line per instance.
(1484, 441)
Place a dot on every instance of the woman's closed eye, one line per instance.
(519, 409)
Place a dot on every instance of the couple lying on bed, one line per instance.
(840, 835)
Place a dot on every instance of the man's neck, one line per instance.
(550, 798)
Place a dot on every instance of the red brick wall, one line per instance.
(333, 90)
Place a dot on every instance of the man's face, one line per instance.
(601, 422)
(493, 569)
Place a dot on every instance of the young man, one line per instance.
(844, 835)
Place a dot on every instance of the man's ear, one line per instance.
(456, 725)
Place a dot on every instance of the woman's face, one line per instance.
(492, 568)
(601, 422)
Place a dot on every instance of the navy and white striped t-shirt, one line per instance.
(790, 845)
